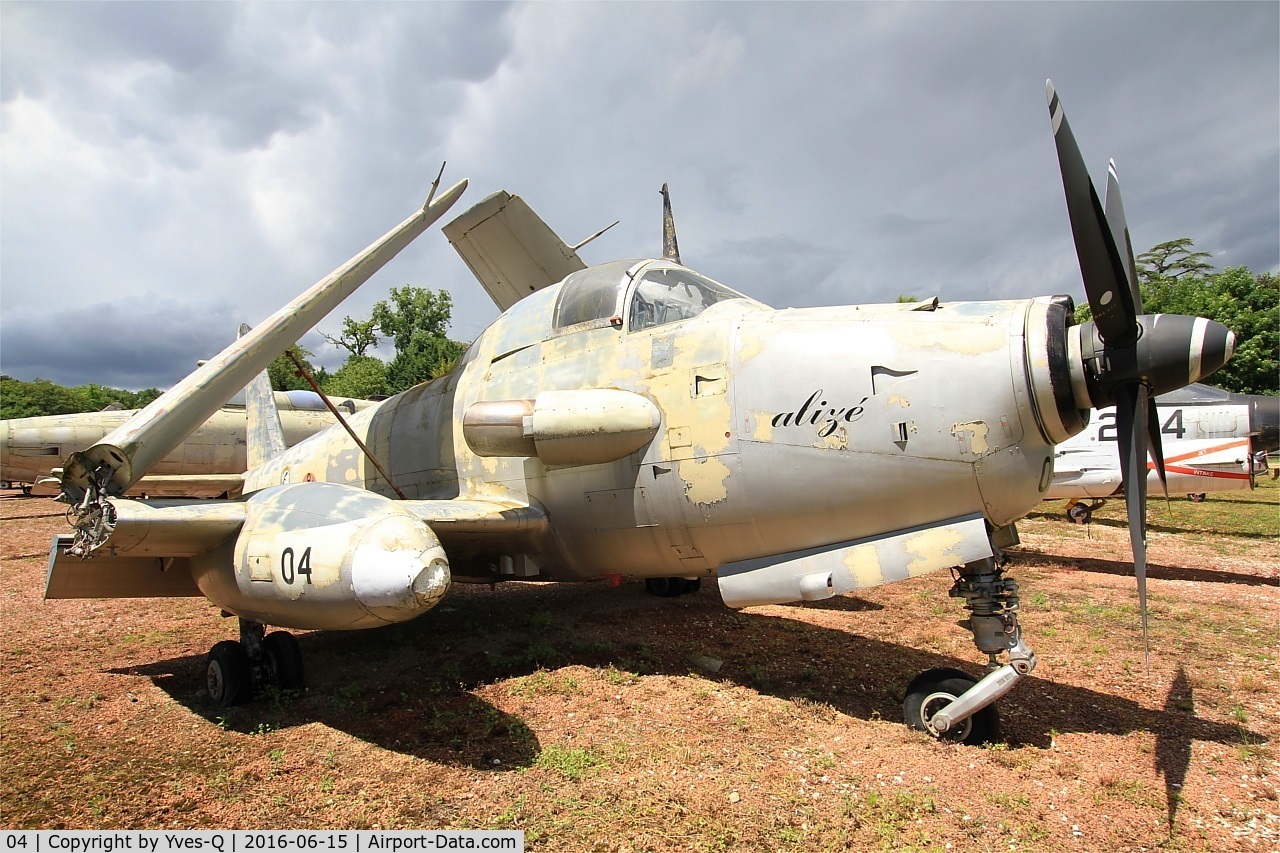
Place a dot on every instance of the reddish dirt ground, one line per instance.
(587, 716)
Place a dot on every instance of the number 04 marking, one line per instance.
(290, 569)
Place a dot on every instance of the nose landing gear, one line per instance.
(235, 670)
(948, 703)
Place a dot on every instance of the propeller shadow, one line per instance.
(412, 688)
(1154, 570)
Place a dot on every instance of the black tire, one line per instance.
(692, 586)
(226, 675)
(1196, 497)
(657, 586)
(1080, 514)
(282, 651)
(933, 690)
(676, 587)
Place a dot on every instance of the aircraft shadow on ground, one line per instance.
(410, 688)
(1154, 570)
(1153, 524)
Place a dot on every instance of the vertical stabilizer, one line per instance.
(264, 436)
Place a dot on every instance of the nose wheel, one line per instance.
(948, 703)
(234, 670)
(935, 689)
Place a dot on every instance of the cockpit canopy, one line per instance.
(644, 293)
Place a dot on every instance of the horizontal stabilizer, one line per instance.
(509, 249)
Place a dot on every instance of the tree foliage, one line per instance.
(19, 399)
(1172, 260)
(284, 375)
(413, 313)
(1173, 278)
(356, 336)
(361, 377)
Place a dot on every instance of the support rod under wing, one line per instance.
(127, 453)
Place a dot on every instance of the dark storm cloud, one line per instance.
(128, 344)
(817, 153)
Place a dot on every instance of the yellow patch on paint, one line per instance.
(838, 440)
(706, 480)
(933, 549)
(863, 564)
(896, 400)
(763, 426)
(977, 435)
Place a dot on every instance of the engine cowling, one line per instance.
(325, 555)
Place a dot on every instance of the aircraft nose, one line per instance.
(1264, 421)
(398, 569)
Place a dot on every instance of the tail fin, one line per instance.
(264, 435)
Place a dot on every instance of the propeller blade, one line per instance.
(1113, 205)
(1132, 421)
(1105, 282)
(1155, 445)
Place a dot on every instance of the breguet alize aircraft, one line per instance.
(639, 419)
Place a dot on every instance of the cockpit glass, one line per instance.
(665, 295)
(591, 294)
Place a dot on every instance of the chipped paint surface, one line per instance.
(895, 400)
(863, 563)
(969, 339)
(933, 549)
(705, 480)
(977, 434)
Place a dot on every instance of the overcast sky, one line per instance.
(169, 170)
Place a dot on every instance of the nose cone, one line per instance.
(398, 569)
(1264, 421)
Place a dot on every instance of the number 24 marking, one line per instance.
(1173, 426)
(290, 568)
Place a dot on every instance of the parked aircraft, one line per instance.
(1214, 441)
(637, 418)
(210, 462)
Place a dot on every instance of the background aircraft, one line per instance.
(210, 462)
(636, 418)
(1214, 441)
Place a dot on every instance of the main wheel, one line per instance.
(1080, 514)
(281, 649)
(1196, 497)
(226, 674)
(933, 690)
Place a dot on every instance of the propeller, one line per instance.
(1126, 357)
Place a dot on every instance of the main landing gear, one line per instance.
(234, 670)
(1082, 513)
(672, 587)
(948, 703)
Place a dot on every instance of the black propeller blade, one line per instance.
(1126, 358)
(1105, 280)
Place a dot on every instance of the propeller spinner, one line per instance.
(1123, 357)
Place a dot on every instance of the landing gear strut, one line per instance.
(235, 670)
(948, 703)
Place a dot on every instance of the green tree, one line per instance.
(284, 373)
(426, 358)
(413, 312)
(416, 320)
(1172, 259)
(361, 377)
(1173, 278)
(356, 337)
(19, 399)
